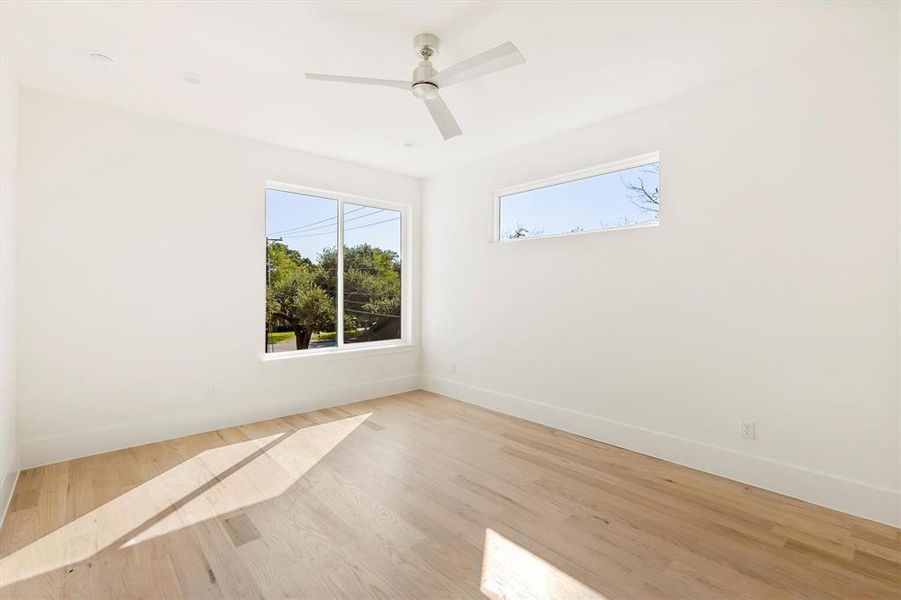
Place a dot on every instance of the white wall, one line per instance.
(768, 292)
(9, 100)
(141, 281)
(898, 407)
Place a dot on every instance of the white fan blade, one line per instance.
(395, 83)
(443, 118)
(500, 57)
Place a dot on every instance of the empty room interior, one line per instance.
(407, 300)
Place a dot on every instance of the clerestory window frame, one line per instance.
(647, 159)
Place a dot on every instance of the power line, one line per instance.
(345, 229)
(313, 230)
(299, 227)
(371, 224)
(363, 312)
(290, 229)
(376, 211)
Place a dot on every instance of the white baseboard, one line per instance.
(51, 449)
(7, 485)
(854, 497)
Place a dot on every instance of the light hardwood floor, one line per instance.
(419, 496)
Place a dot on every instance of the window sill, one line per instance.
(333, 353)
(497, 240)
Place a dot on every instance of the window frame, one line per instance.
(586, 173)
(406, 284)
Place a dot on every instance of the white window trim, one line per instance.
(406, 284)
(611, 167)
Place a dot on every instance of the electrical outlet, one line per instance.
(454, 367)
(749, 430)
(212, 392)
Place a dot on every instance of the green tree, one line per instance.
(300, 293)
(372, 291)
(295, 295)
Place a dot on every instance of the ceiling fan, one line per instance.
(427, 81)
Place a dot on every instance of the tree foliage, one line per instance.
(372, 291)
(521, 231)
(295, 296)
(301, 293)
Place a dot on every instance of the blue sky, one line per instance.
(592, 203)
(308, 224)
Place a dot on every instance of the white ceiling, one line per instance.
(584, 62)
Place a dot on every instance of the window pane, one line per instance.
(372, 271)
(301, 271)
(619, 199)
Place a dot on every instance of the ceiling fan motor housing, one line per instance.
(424, 72)
(425, 90)
(426, 46)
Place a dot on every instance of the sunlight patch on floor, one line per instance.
(212, 483)
(510, 572)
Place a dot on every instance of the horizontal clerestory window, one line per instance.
(612, 196)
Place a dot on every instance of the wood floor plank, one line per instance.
(396, 497)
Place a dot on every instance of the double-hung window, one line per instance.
(334, 271)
